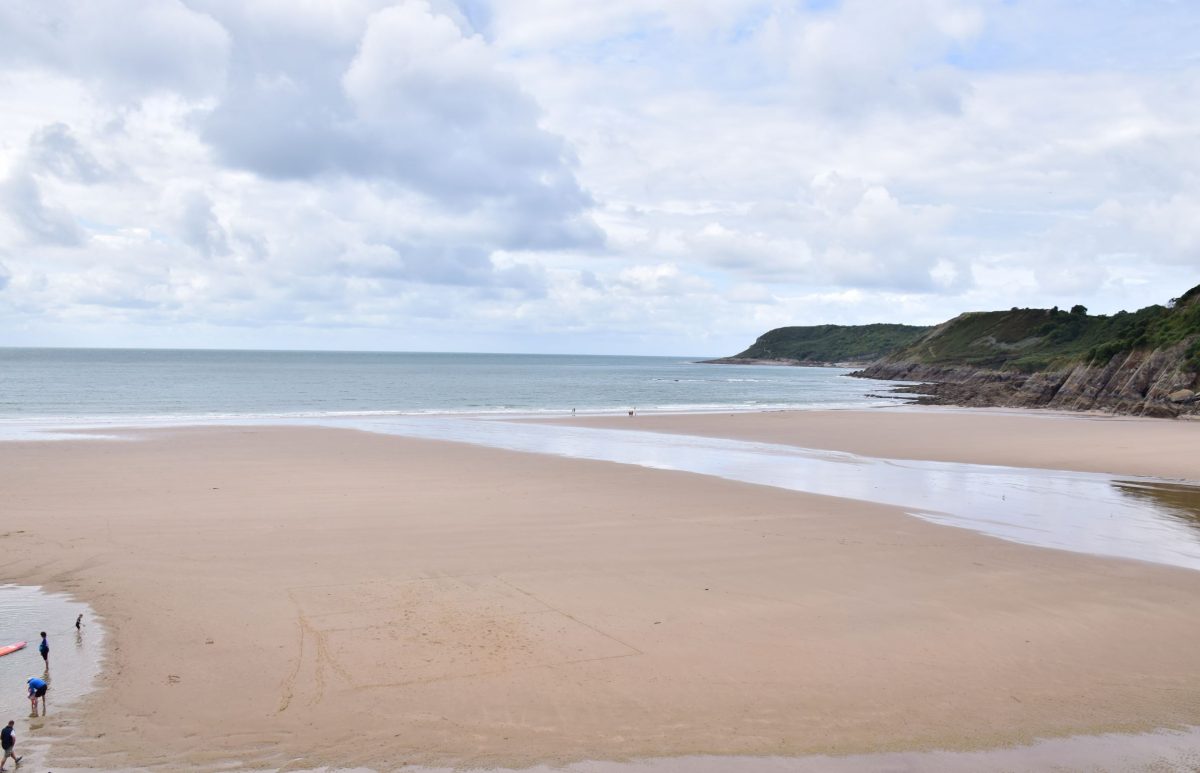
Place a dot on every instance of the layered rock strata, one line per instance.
(1140, 383)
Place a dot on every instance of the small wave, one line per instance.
(659, 379)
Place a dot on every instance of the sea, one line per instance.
(104, 384)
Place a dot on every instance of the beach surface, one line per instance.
(297, 597)
(1122, 445)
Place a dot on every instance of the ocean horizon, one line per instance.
(201, 385)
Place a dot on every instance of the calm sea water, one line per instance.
(111, 383)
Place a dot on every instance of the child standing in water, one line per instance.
(44, 648)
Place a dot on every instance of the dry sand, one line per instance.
(303, 597)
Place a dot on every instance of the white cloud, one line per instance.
(415, 101)
(668, 175)
(46, 223)
(199, 226)
(869, 55)
(123, 48)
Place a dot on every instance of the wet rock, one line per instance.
(1158, 412)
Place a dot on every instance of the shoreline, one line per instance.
(585, 610)
(23, 428)
(15, 429)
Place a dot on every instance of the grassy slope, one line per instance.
(1031, 340)
(832, 343)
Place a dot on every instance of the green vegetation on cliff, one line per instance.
(831, 343)
(1032, 340)
(1017, 341)
(1145, 362)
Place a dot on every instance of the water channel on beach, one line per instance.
(1141, 518)
(74, 663)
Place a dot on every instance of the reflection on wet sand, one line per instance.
(1177, 500)
(1164, 750)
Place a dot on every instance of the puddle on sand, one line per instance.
(75, 658)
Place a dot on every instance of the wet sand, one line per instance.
(304, 597)
(1050, 440)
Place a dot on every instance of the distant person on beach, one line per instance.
(7, 742)
(37, 689)
(44, 648)
(79, 623)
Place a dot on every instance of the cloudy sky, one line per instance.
(595, 176)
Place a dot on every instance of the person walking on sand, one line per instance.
(7, 742)
(79, 623)
(37, 689)
(44, 648)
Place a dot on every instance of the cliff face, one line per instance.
(1158, 383)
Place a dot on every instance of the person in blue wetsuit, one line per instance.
(44, 648)
(37, 689)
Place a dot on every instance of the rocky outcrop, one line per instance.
(1154, 383)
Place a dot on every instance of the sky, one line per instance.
(667, 177)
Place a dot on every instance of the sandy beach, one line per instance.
(1122, 445)
(297, 597)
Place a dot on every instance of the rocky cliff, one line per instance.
(1144, 363)
(1142, 383)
